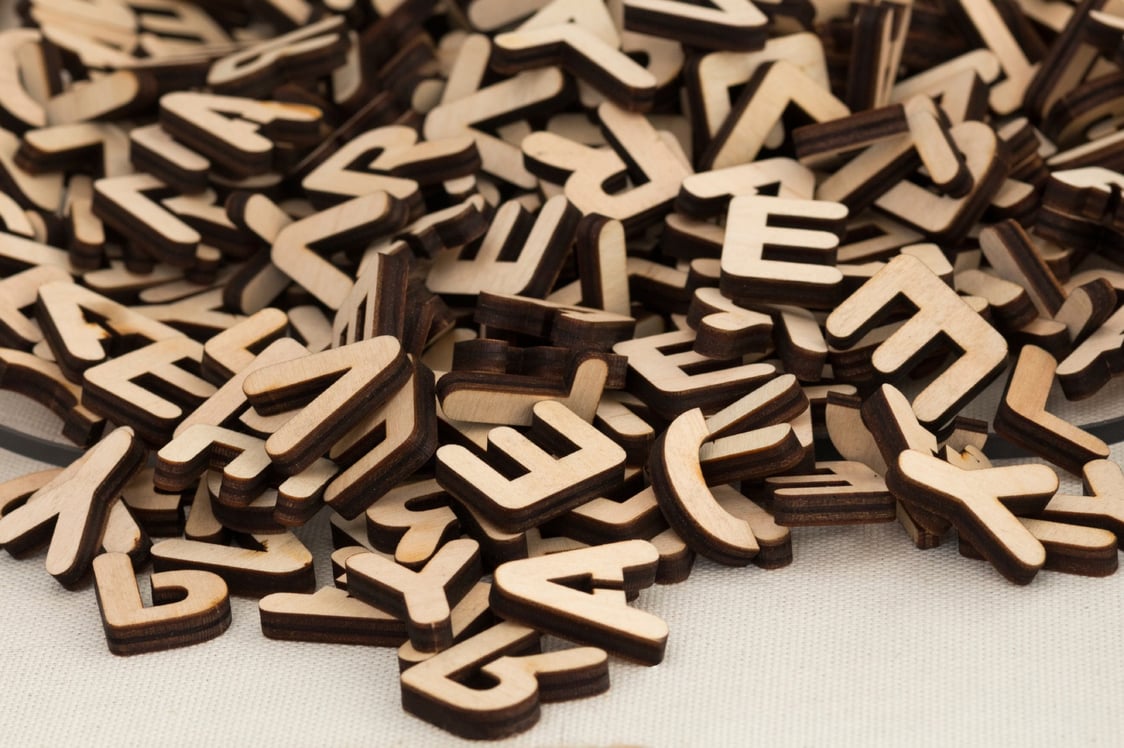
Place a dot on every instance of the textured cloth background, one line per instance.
(862, 640)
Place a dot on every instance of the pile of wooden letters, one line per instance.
(541, 299)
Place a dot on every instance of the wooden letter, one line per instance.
(283, 564)
(768, 93)
(1103, 504)
(188, 607)
(940, 313)
(749, 277)
(423, 598)
(151, 389)
(533, 591)
(661, 364)
(729, 24)
(237, 133)
(586, 172)
(686, 501)
(129, 205)
(551, 486)
(837, 493)
(435, 690)
(359, 377)
(296, 250)
(581, 52)
(516, 256)
(315, 49)
(391, 440)
(389, 159)
(413, 520)
(980, 504)
(1022, 416)
(77, 502)
(328, 615)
